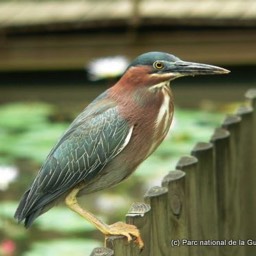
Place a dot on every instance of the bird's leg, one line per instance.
(118, 228)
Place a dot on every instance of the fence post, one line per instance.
(220, 140)
(188, 164)
(119, 245)
(139, 215)
(233, 124)
(248, 175)
(157, 198)
(207, 203)
(177, 223)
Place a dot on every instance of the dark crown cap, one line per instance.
(150, 57)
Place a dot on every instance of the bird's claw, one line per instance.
(127, 230)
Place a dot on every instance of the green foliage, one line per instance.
(26, 131)
(23, 116)
(7, 226)
(7, 209)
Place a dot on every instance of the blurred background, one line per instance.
(56, 56)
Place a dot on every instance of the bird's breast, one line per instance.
(150, 112)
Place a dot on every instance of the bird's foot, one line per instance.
(121, 228)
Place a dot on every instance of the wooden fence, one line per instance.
(207, 206)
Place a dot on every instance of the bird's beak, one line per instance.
(184, 68)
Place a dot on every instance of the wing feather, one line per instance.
(88, 145)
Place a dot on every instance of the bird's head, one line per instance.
(152, 68)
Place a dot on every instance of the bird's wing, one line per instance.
(84, 151)
(88, 145)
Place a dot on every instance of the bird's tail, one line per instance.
(33, 205)
(24, 213)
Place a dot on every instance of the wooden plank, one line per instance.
(233, 210)
(157, 198)
(248, 176)
(139, 215)
(102, 251)
(220, 140)
(207, 203)
(188, 164)
(67, 52)
(42, 13)
(177, 222)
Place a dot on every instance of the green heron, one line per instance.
(110, 138)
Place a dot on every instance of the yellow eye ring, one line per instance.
(158, 65)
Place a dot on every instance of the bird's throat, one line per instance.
(158, 87)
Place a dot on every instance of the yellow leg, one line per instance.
(119, 228)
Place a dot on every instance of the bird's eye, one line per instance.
(158, 65)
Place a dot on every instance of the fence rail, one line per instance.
(207, 206)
